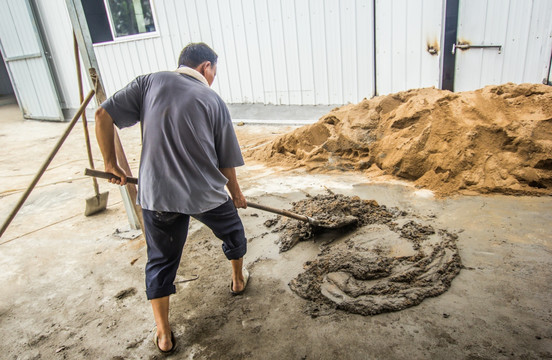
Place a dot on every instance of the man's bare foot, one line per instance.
(239, 283)
(164, 341)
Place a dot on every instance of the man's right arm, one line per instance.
(105, 135)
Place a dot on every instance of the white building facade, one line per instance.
(282, 52)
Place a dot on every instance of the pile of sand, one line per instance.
(494, 140)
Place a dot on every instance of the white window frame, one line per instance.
(132, 37)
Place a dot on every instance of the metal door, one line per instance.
(501, 41)
(408, 44)
(26, 62)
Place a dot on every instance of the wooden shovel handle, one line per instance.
(280, 212)
(108, 176)
(133, 180)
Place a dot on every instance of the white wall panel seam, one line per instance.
(421, 43)
(209, 27)
(143, 50)
(175, 22)
(528, 40)
(505, 49)
(298, 54)
(341, 42)
(285, 54)
(128, 70)
(225, 53)
(130, 54)
(186, 30)
(247, 53)
(109, 87)
(187, 14)
(147, 47)
(155, 48)
(391, 79)
(236, 54)
(30, 64)
(482, 51)
(277, 102)
(408, 37)
(324, 22)
(218, 84)
(263, 88)
(357, 68)
(312, 53)
(164, 33)
(21, 50)
(197, 19)
(140, 61)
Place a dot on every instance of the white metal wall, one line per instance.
(26, 63)
(408, 37)
(317, 51)
(59, 34)
(522, 27)
(270, 51)
(58, 31)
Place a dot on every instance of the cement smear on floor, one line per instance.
(387, 261)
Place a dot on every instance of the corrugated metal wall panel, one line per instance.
(292, 63)
(333, 52)
(320, 51)
(57, 29)
(256, 61)
(281, 77)
(348, 51)
(121, 62)
(364, 38)
(25, 41)
(27, 95)
(404, 31)
(26, 62)
(523, 28)
(304, 52)
(272, 52)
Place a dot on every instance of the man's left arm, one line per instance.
(234, 187)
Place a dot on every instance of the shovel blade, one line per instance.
(336, 222)
(96, 204)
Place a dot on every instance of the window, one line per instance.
(115, 19)
(131, 17)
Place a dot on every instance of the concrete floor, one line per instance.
(71, 287)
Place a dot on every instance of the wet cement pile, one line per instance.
(329, 209)
(494, 140)
(390, 261)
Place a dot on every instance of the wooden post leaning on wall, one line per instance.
(84, 40)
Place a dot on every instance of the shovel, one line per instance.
(334, 223)
(98, 202)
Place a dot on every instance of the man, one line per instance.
(189, 154)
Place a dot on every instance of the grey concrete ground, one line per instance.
(277, 114)
(71, 287)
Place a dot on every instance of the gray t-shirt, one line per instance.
(187, 136)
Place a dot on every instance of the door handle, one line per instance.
(462, 46)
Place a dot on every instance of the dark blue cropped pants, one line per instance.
(166, 234)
